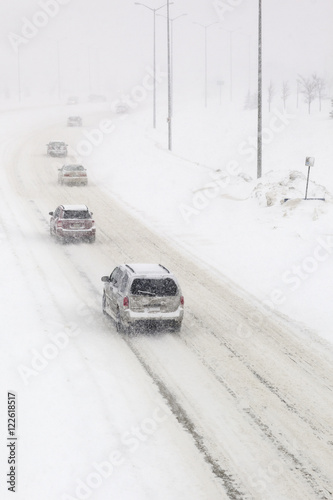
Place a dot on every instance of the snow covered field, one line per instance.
(238, 405)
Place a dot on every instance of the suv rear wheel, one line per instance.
(119, 323)
(176, 327)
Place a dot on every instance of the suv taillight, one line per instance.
(181, 300)
(126, 302)
(59, 223)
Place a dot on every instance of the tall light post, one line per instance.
(249, 68)
(171, 44)
(154, 54)
(89, 72)
(169, 79)
(57, 43)
(58, 61)
(206, 26)
(19, 74)
(172, 21)
(231, 32)
(90, 67)
(259, 143)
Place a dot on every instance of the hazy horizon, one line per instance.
(104, 48)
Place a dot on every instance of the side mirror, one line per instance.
(50, 213)
(105, 279)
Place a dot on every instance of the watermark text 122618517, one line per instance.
(12, 441)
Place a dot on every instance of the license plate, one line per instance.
(154, 309)
(76, 226)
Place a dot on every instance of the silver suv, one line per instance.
(57, 148)
(143, 294)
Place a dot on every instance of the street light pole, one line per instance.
(259, 143)
(19, 74)
(171, 44)
(89, 71)
(59, 84)
(154, 54)
(230, 49)
(206, 26)
(231, 32)
(169, 80)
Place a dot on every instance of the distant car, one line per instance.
(72, 222)
(143, 295)
(72, 100)
(72, 175)
(57, 148)
(121, 108)
(74, 121)
(97, 98)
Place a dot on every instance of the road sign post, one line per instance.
(309, 162)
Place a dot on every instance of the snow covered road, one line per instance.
(238, 405)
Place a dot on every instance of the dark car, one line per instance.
(141, 295)
(72, 222)
(73, 175)
(74, 121)
(121, 108)
(96, 98)
(57, 148)
(72, 100)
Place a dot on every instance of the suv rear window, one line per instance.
(154, 287)
(74, 168)
(76, 214)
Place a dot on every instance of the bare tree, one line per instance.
(271, 93)
(285, 93)
(320, 87)
(308, 88)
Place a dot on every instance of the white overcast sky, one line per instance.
(113, 40)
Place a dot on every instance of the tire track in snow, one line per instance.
(233, 489)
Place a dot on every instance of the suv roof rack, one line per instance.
(129, 267)
(163, 267)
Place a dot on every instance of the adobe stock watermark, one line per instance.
(31, 27)
(223, 7)
(139, 93)
(264, 477)
(278, 122)
(293, 279)
(130, 443)
(202, 198)
(40, 359)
